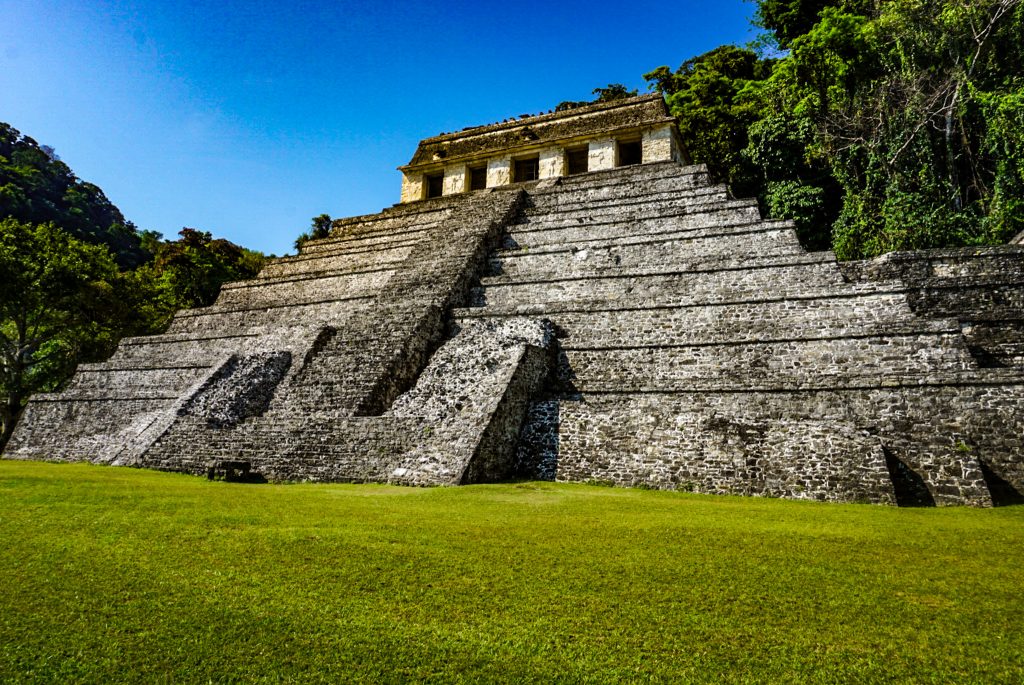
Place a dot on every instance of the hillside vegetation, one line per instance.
(120, 575)
(877, 125)
(75, 276)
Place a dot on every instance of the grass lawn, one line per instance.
(115, 574)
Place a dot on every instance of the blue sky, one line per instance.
(246, 119)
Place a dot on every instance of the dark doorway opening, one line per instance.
(526, 169)
(435, 185)
(577, 160)
(630, 153)
(477, 177)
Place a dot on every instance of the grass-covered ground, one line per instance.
(123, 575)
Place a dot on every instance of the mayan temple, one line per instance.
(564, 297)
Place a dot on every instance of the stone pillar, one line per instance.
(412, 187)
(552, 162)
(660, 145)
(499, 172)
(601, 154)
(456, 180)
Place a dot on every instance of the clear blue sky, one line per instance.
(246, 119)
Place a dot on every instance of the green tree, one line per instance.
(711, 96)
(887, 125)
(184, 273)
(610, 93)
(320, 228)
(37, 187)
(58, 305)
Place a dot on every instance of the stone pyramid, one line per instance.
(562, 297)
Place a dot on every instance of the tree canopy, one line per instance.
(888, 125)
(75, 276)
(36, 187)
(59, 304)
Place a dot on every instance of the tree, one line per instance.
(58, 305)
(887, 126)
(37, 187)
(320, 228)
(709, 94)
(184, 273)
(610, 93)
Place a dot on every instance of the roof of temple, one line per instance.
(579, 122)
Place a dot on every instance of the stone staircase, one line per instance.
(703, 348)
(652, 330)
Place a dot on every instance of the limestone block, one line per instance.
(499, 172)
(552, 162)
(412, 187)
(601, 154)
(456, 180)
(659, 145)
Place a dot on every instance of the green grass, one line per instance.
(124, 575)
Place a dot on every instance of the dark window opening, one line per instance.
(435, 185)
(477, 178)
(527, 169)
(630, 153)
(578, 160)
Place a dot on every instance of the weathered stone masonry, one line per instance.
(625, 324)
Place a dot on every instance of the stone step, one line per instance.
(375, 239)
(625, 234)
(982, 298)
(731, 441)
(173, 379)
(952, 378)
(662, 252)
(996, 343)
(590, 324)
(667, 289)
(782, 363)
(632, 211)
(340, 262)
(283, 292)
(709, 216)
(628, 193)
(711, 223)
(309, 313)
(302, 277)
(694, 174)
(997, 262)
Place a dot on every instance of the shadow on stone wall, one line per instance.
(909, 487)
(1003, 493)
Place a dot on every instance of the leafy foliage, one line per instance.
(888, 125)
(36, 187)
(75, 276)
(59, 304)
(611, 93)
(320, 228)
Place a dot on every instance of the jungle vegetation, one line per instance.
(75, 276)
(876, 125)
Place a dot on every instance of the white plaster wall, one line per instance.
(601, 154)
(412, 187)
(456, 180)
(552, 162)
(659, 145)
(499, 172)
